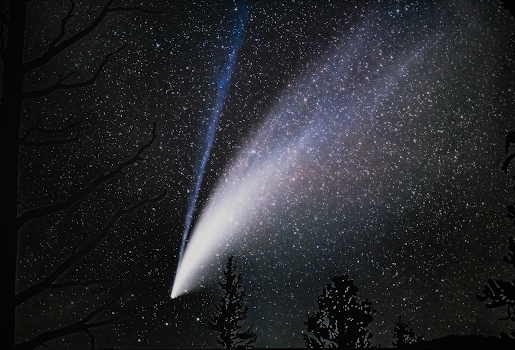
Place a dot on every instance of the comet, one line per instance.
(223, 87)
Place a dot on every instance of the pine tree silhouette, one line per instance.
(231, 311)
(342, 319)
(502, 293)
(403, 335)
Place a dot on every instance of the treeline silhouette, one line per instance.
(340, 322)
(342, 318)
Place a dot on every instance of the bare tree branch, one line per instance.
(79, 326)
(49, 143)
(77, 283)
(136, 8)
(106, 306)
(23, 141)
(37, 128)
(75, 255)
(60, 86)
(91, 338)
(58, 46)
(85, 235)
(75, 197)
(12, 32)
(63, 25)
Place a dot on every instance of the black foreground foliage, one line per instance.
(231, 311)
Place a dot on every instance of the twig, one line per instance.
(79, 326)
(77, 254)
(74, 198)
(58, 46)
(60, 86)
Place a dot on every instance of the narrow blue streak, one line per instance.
(213, 125)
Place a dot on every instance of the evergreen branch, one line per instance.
(230, 311)
(507, 162)
(511, 313)
(510, 259)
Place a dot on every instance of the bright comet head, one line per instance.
(328, 144)
(241, 197)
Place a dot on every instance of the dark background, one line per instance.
(425, 258)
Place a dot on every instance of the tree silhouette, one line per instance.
(342, 318)
(231, 311)
(502, 293)
(16, 91)
(403, 335)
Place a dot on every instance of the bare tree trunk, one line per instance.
(12, 42)
(10, 113)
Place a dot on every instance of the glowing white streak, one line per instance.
(223, 87)
(241, 197)
(262, 169)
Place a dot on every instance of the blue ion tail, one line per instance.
(223, 87)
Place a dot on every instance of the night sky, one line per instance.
(307, 138)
